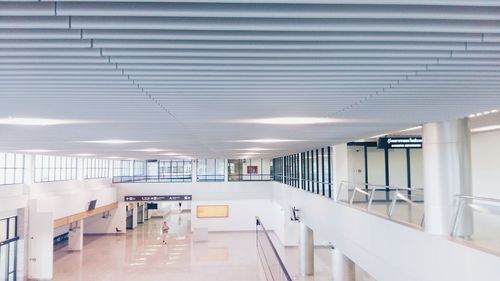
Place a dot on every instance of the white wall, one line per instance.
(376, 166)
(356, 163)
(107, 225)
(66, 198)
(386, 250)
(12, 197)
(245, 199)
(485, 154)
(397, 167)
(241, 217)
(416, 168)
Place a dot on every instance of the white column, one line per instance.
(447, 173)
(134, 216)
(306, 250)
(343, 268)
(226, 170)
(340, 167)
(40, 244)
(75, 241)
(194, 171)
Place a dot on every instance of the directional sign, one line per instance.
(133, 198)
(400, 142)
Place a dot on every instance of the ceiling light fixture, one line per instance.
(170, 154)
(486, 129)
(483, 113)
(290, 121)
(412, 129)
(114, 141)
(83, 154)
(254, 149)
(36, 150)
(152, 150)
(38, 121)
(268, 140)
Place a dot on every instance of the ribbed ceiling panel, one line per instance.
(179, 73)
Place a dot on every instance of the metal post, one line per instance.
(306, 250)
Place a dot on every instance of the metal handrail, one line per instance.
(461, 206)
(494, 200)
(282, 265)
(370, 192)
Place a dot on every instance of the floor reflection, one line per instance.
(140, 255)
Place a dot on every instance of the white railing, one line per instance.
(349, 192)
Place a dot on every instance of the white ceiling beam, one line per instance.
(283, 53)
(218, 10)
(266, 24)
(289, 36)
(291, 45)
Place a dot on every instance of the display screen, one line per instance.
(152, 206)
(92, 205)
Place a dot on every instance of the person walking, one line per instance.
(164, 231)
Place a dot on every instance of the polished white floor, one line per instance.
(140, 255)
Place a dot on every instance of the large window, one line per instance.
(175, 170)
(55, 168)
(249, 169)
(8, 248)
(310, 170)
(153, 171)
(11, 168)
(210, 170)
(95, 168)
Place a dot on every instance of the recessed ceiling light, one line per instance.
(412, 129)
(249, 153)
(378, 136)
(149, 150)
(486, 129)
(268, 140)
(254, 149)
(114, 141)
(290, 120)
(83, 154)
(114, 157)
(36, 150)
(170, 154)
(38, 121)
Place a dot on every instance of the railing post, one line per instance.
(353, 194)
(458, 215)
(393, 204)
(370, 201)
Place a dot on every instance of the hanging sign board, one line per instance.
(138, 198)
(400, 142)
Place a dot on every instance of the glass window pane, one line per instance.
(3, 257)
(3, 230)
(9, 176)
(2, 176)
(12, 256)
(2, 160)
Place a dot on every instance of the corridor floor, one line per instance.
(140, 255)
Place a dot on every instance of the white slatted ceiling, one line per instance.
(173, 72)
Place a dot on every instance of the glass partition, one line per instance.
(154, 171)
(55, 168)
(249, 169)
(8, 248)
(210, 170)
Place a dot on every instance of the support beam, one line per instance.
(343, 268)
(306, 250)
(447, 173)
(75, 241)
